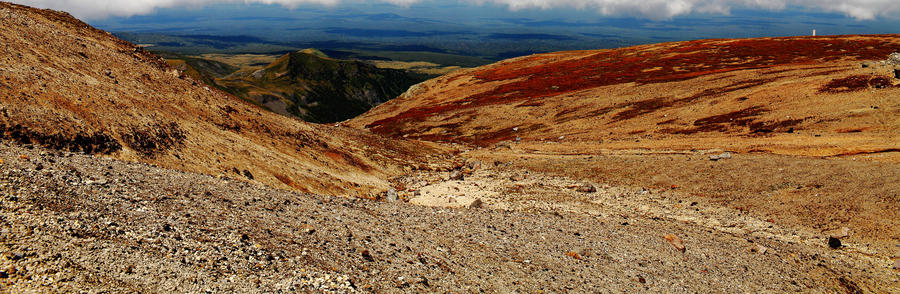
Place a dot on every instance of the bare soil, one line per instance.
(74, 223)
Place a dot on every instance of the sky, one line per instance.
(490, 29)
(650, 9)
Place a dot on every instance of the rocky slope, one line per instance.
(797, 95)
(309, 85)
(67, 85)
(81, 223)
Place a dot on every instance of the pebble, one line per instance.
(725, 155)
(391, 195)
(367, 256)
(457, 175)
(757, 249)
(834, 243)
(309, 229)
(587, 188)
(476, 204)
(676, 242)
(841, 233)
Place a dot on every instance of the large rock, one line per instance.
(894, 59)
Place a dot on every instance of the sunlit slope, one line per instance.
(69, 86)
(798, 95)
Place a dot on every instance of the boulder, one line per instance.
(894, 58)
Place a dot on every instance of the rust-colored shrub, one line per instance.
(856, 83)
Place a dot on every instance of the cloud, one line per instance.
(666, 9)
(653, 9)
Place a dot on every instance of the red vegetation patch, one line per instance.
(721, 122)
(678, 62)
(740, 118)
(856, 83)
(642, 107)
(647, 106)
(666, 122)
(736, 117)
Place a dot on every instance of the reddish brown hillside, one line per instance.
(797, 95)
(67, 85)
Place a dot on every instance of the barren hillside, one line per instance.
(67, 85)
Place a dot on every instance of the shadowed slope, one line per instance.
(309, 85)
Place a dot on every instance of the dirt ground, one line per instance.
(74, 223)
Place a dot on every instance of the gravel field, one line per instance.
(80, 223)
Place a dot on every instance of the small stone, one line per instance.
(676, 242)
(834, 243)
(15, 256)
(725, 155)
(25, 157)
(516, 178)
(897, 73)
(841, 233)
(473, 164)
(587, 188)
(391, 195)
(248, 174)
(307, 228)
(757, 249)
(574, 255)
(897, 264)
(96, 182)
(476, 203)
(367, 256)
(503, 145)
(457, 175)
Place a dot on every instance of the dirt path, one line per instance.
(80, 223)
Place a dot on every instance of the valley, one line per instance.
(707, 166)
